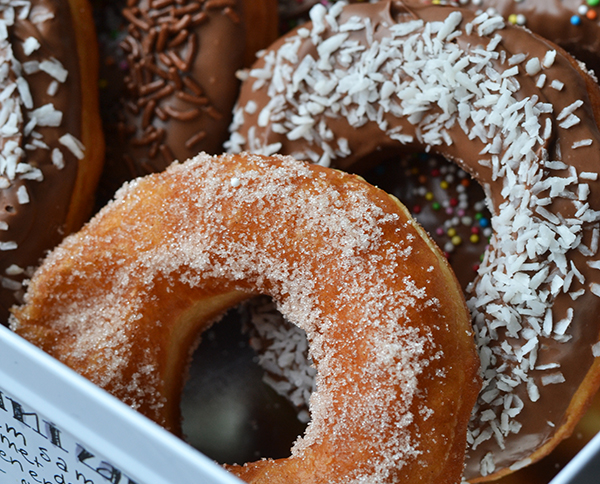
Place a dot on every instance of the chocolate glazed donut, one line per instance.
(518, 114)
(52, 148)
(180, 83)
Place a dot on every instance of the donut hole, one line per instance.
(248, 390)
(444, 199)
(229, 412)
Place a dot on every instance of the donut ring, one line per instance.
(51, 141)
(361, 81)
(122, 302)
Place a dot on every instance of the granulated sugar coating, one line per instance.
(519, 115)
(124, 301)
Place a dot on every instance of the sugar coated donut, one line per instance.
(178, 63)
(123, 300)
(50, 137)
(519, 115)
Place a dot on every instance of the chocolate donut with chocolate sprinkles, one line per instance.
(179, 64)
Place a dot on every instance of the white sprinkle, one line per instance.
(596, 350)
(561, 326)
(581, 143)
(449, 25)
(11, 285)
(14, 270)
(595, 288)
(571, 121)
(235, 182)
(58, 160)
(569, 110)
(487, 465)
(533, 391)
(46, 115)
(73, 144)
(52, 88)
(516, 59)
(8, 245)
(549, 59)
(541, 81)
(22, 195)
(24, 92)
(520, 465)
(533, 66)
(55, 69)
(30, 45)
(31, 67)
(553, 379)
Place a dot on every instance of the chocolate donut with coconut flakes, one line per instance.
(51, 138)
(178, 66)
(518, 114)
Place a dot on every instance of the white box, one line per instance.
(58, 428)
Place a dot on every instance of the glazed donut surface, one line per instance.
(123, 302)
(361, 82)
(51, 139)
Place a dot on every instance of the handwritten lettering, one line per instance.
(10, 460)
(79, 475)
(26, 456)
(32, 420)
(16, 434)
(101, 467)
(9, 443)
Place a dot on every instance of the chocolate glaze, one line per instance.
(538, 421)
(293, 9)
(552, 19)
(37, 226)
(179, 86)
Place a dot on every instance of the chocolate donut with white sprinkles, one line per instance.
(51, 141)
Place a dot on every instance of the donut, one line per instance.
(173, 78)
(123, 300)
(572, 24)
(362, 82)
(51, 138)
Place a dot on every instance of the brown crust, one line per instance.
(92, 136)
